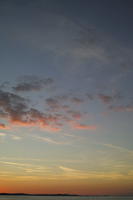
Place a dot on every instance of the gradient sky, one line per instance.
(66, 96)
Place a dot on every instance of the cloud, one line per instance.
(76, 100)
(55, 104)
(98, 46)
(66, 169)
(32, 83)
(14, 163)
(58, 104)
(83, 126)
(2, 134)
(61, 102)
(127, 108)
(73, 173)
(75, 114)
(12, 105)
(119, 148)
(3, 126)
(49, 140)
(34, 117)
(18, 112)
(105, 98)
(92, 174)
(108, 99)
(63, 35)
(26, 167)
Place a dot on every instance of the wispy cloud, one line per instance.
(122, 108)
(79, 126)
(118, 148)
(50, 140)
(26, 167)
(32, 83)
(69, 173)
(66, 169)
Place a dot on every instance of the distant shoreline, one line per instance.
(28, 194)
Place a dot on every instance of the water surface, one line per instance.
(7, 197)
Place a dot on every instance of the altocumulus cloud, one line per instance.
(17, 111)
(32, 83)
(58, 110)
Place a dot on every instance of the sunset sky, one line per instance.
(66, 96)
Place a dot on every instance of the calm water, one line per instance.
(62, 198)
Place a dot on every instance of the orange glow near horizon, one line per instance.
(72, 187)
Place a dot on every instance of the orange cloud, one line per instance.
(18, 112)
(83, 126)
(39, 123)
(3, 126)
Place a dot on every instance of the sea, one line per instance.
(7, 197)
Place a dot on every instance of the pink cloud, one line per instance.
(83, 126)
(42, 123)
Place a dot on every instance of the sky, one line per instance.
(66, 96)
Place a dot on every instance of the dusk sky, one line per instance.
(66, 96)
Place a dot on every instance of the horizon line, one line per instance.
(60, 194)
